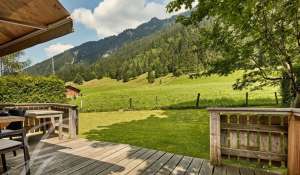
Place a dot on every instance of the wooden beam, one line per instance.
(22, 23)
(55, 30)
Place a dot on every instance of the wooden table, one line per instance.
(6, 120)
(48, 114)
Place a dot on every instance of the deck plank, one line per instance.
(170, 165)
(111, 161)
(232, 170)
(80, 156)
(183, 166)
(136, 162)
(99, 160)
(220, 170)
(120, 166)
(195, 167)
(73, 169)
(206, 169)
(75, 159)
(146, 163)
(246, 171)
(155, 167)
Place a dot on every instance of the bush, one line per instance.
(27, 89)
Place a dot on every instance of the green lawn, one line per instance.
(179, 131)
(168, 92)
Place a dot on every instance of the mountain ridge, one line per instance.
(89, 52)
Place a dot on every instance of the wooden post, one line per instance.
(215, 138)
(156, 101)
(276, 98)
(198, 101)
(130, 103)
(294, 145)
(73, 123)
(247, 98)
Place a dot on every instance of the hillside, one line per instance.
(168, 92)
(89, 52)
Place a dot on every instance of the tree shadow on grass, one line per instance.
(183, 132)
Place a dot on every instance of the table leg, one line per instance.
(53, 124)
(43, 121)
(60, 134)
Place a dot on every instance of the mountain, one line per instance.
(89, 52)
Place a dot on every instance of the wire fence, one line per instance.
(179, 101)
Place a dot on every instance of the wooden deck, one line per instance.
(80, 156)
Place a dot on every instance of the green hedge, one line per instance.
(28, 89)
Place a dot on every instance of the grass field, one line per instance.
(179, 131)
(168, 92)
(151, 123)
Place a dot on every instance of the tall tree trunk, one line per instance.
(296, 103)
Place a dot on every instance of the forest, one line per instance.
(173, 50)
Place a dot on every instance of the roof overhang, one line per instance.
(25, 23)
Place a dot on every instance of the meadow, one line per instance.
(163, 114)
(168, 93)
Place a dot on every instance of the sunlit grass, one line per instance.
(168, 92)
(178, 131)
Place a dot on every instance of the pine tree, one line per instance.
(151, 77)
(78, 79)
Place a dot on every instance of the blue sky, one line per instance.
(96, 19)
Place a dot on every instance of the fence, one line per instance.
(70, 115)
(176, 101)
(266, 135)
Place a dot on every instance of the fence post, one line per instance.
(198, 101)
(130, 103)
(156, 101)
(276, 98)
(247, 98)
(293, 145)
(215, 138)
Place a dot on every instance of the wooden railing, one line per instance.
(266, 135)
(70, 115)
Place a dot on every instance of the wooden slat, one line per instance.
(232, 170)
(215, 138)
(122, 165)
(220, 170)
(111, 160)
(254, 128)
(246, 171)
(143, 166)
(136, 162)
(182, 167)
(254, 154)
(170, 165)
(195, 167)
(97, 164)
(206, 169)
(155, 167)
(122, 152)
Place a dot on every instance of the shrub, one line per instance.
(28, 89)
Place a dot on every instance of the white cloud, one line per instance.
(58, 48)
(111, 17)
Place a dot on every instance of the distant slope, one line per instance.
(89, 52)
(168, 92)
